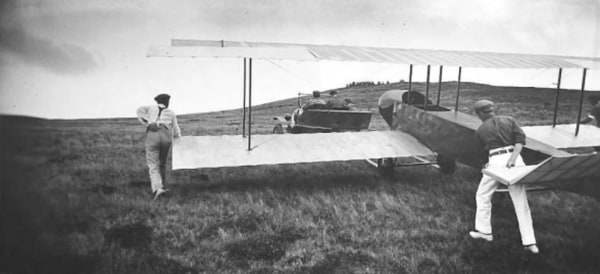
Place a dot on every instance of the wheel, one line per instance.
(386, 167)
(447, 164)
(278, 129)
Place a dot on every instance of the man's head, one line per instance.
(484, 109)
(162, 99)
(316, 94)
(594, 99)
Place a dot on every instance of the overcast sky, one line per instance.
(83, 59)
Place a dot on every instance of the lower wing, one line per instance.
(190, 152)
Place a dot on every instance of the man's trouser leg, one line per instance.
(518, 195)
(483, 198)
(153, 159)
(164, 147)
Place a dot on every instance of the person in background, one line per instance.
(315, 102)
(161, 125)
(500, 140)
(335, 102)
(595, 112)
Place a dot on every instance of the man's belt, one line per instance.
(153, 127)
(502, 150)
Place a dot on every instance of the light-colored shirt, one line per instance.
(150, 114)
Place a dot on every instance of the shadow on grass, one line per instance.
(136, 236)
(32, 229)
(354, 262)
(263, 247)
(308, 177)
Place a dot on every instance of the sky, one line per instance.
(87, 59)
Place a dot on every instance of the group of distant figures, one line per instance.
(334, 102)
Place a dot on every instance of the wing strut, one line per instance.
(244, 104)
(580, 102)
(409, 82)
(556, 97)
(427, 89)
(458, 89)
(250, 105)
(440, 86)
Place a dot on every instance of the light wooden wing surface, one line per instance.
(190, 152)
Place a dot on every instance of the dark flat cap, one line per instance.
(485, 106)
(162, 98)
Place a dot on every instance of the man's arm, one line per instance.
(515, 154)
(482, 153)
(142, 115)
(176, 128)
(519, 138)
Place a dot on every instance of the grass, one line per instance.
(75, 199)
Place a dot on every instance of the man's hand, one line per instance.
(515, 154)
(153, 127)
(511, 162)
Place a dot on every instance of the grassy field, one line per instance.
(76, 199)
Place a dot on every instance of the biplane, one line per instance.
(418, 131)
(321, 118)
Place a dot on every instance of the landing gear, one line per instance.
(278, 129)
(447, 164)
(386, 167)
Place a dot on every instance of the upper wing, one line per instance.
(563, 136)
(226, 151)
(305, 52)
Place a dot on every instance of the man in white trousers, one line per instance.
(161, 125)
(500, 139)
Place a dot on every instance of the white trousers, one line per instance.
(518, 195)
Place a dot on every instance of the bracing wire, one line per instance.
(310, 83)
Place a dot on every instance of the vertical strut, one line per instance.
(556, 97)
(440, 86)
(250, 105)
(458, 89)
(427, 89)
(409, 83)
(244, 104)
(580, 102)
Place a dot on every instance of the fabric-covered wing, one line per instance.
(305, 52)
(563, 136)
(191, 152)
(553, 169)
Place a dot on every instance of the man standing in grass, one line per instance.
(335, 102)
(595, 112)
(500, 139)
(161, 125)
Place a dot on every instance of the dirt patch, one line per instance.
(136, 236)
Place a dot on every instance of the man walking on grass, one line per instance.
(500, 139)
(161, 125)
